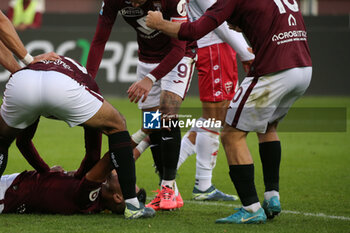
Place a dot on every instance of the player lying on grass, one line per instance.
(63, 89)
(58, 192)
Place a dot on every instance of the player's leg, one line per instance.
(270, 155)
(112, 123)
(174, 88)
(7, 136)
(296, 81)
(18, 110)
(242, 175)
(217, 79)
(207, 146)
(188, 146)
(239, 121)
(170, 147)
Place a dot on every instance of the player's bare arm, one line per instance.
(155, 20)
(101, 170)
(9, 37)
(139, 89)
(7, 60)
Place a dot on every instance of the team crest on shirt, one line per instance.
(94, 194)
(181, 8)
(131, 12)
(228, 87)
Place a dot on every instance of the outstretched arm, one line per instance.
(10, 40)
(101, 170)
(93, 141)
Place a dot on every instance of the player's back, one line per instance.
(275, 29)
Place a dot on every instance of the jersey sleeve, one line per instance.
(236, 41)
(231, 37)
(106, 19)
(211, 19)
(176, 12)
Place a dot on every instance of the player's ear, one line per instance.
(118, 198)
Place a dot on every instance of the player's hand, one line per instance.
(154, 19)
(248, 64)
(140, 89)
(51, 56)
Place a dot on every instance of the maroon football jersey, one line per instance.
(154, 46)
(275, 29)
(51, 192)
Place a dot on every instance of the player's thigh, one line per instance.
(154, 95)
(22, 101)
(217, 72)
(178, 80)
(216, 110)
(257, 99)
(107, 119)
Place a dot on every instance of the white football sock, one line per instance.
(253, 207)
(269, 194)
(133, 201)
(187, 149)
(207, 145)
(169, 183)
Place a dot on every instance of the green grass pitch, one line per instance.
(315, 182)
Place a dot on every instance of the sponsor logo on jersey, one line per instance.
(131, 12)
(290, 36)
(94, 194)
(58, 62)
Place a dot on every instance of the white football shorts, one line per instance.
(267, 99)
(30, 94)
(176, 81)
(5, 183)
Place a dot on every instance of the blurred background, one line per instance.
(67, 27)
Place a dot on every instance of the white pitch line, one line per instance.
(321, 215)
